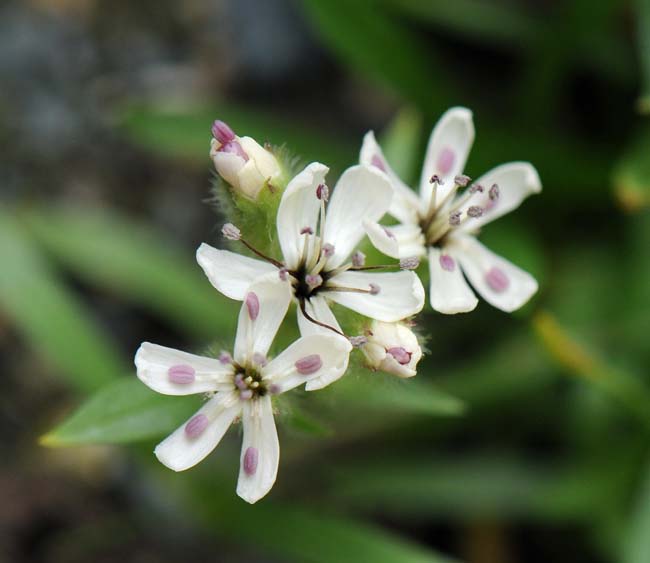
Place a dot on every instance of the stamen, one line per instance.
(374, 289)
(259, 359)
(235, 148)
(494, 192)
(446, 160)
(196, 426)
(454, 218)
(246, 395)
(274, 389)
(475, 211)
(306, 231)
(400, 354)
(253, 305)
(222, 132)
(497, 279)
(389, 234)
(358, 341)
(284, 274)
(435, 179)
(358, 259)
(230, 232)
(328, 250)
(225, 358)
(309, 364)
(323, 192)
(181, 374)
(447, 262)
(462, 180)
(303, 310)
(377, 162)
(410, 263)
(240, 383)
(313, 281)
(476, 188)
(250, 461)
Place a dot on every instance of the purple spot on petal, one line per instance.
(250, 461)
(400, 354)
(274, 389)
(253, 305)
(309, 364)
(378, 162)
(447, 263)
(446, 160)
(196, 425)
(497, 279)
(181, 374)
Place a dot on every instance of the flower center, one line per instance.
(248, 381)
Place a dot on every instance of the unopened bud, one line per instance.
(230, 232)
(393, 348)
(222, 132)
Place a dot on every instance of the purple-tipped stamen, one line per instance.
(181, 374)
(306, 231)
(475, 211)
(358, 341)
(309, 364)
(225, 358)
(435, 179)
(374, 289)
(323, 192)
(400, 354)
(476, 188)
(222, 132)
(358, 259)
(284, 274)
(252, 305)
(410, 263)
(196, 426)
(328, 250)
(454, 218)
(497, 279)
(494, 192)
(250, 461)
(462, 180)
(314, 280)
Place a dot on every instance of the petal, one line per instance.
(260, 452)
(405, 203)
(299, 208)
(396, 241)
(333, 350)
(230, 273)
(447, 151)
(173, 372)
(516, 181)
(266, 164)
(255, 332)
(362, 192)
(500, 282)
(400, 294)
(228, 165)
(318, 309)
(449, 292)
(180, 451)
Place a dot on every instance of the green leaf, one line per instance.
(118, 254)
(377, 45)
(631, 176)
(125, 411)
(636, 546)
(48, 315)
(643, 40)
(401, 144)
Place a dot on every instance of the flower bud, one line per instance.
(393, 348)
(241, 161)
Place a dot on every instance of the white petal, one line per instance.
(516, 181)
(500, 282)
(333, 350)
(397, 241)
(231, 273)
(258, 471)
(362, 192)
(154, 362)
(228, 165)
(447, 151)
(266, 164)
(299, 208)
(318, 309)
(400, 294)
(449, 292)
(180, 452)
(255, 335)
(381, 238)
(405, 203)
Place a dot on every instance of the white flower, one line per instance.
(393, 348)
(241, 385)
(241, 161)
(441, 224)
(316, 244)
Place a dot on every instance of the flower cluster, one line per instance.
(313, 259)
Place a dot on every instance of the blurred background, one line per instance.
(524, 438)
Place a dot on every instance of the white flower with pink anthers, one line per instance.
(319, 262)
(440, 223)
(241, 385)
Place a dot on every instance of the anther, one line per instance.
(306, 231)
(447, 263)
(475, 211)
(283, 273)
(476, 188)
(230, 232)
(309, 364)
(454, 218)
(235, 148)
(462, 180)
(246, 394)
(313, 280)
(274, 389)
(374, 289)
(328, 250)
(358, 259)
(252, 305)
(240, 383)
(410, 263)
(435, 179)
(323, 192)
(181, 374)
(225, 358)
(250, 461)
(494, 192)
(222, 132)
(196, 426)
(400, 354)
(358, 341)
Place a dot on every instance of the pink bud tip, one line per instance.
(445, 161)
(497, 279)
(400, 354)
(250, 461)
(181, 374)
(235, 148)
(252, 305)
(447, 262)
(309, 364)
(222, 132)
(378, 162)
(196, 426)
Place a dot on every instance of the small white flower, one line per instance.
(441, 224)
(241, 385)
(316, 243)
(393, 348)
(241, 161)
